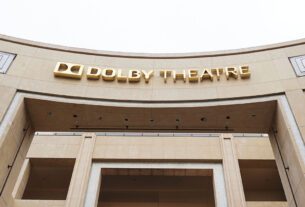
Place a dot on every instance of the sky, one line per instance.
(155, 26)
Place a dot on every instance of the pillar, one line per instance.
(234, 187)
(296, 100)
(80, 176)
(289, 139)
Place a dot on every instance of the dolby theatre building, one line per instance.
(87, 128)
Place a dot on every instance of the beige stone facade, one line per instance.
(236, 141)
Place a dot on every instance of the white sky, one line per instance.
(154, 25)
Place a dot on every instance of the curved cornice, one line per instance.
(151, 55)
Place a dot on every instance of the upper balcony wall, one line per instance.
(32, 70)
(150, 147)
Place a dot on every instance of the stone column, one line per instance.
(296, 99)
(80, 176)
(288, 137)
(22, 180)
(234, 187)
(282, 168)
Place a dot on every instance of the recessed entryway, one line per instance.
(156, 184)
(156, 187)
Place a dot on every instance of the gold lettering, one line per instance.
(231, 72)
(108, 74)
(244, 72)
(179, 76)
(94, 73)
(120, 77)
(206, 74)
(134, 76)
(217, 71)
(68, 70)
(193, 75)
(165, 74)
(75, 71)
(147, 75)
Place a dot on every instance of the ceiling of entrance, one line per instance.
(59, 116)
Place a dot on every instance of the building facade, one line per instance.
(91, 128)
